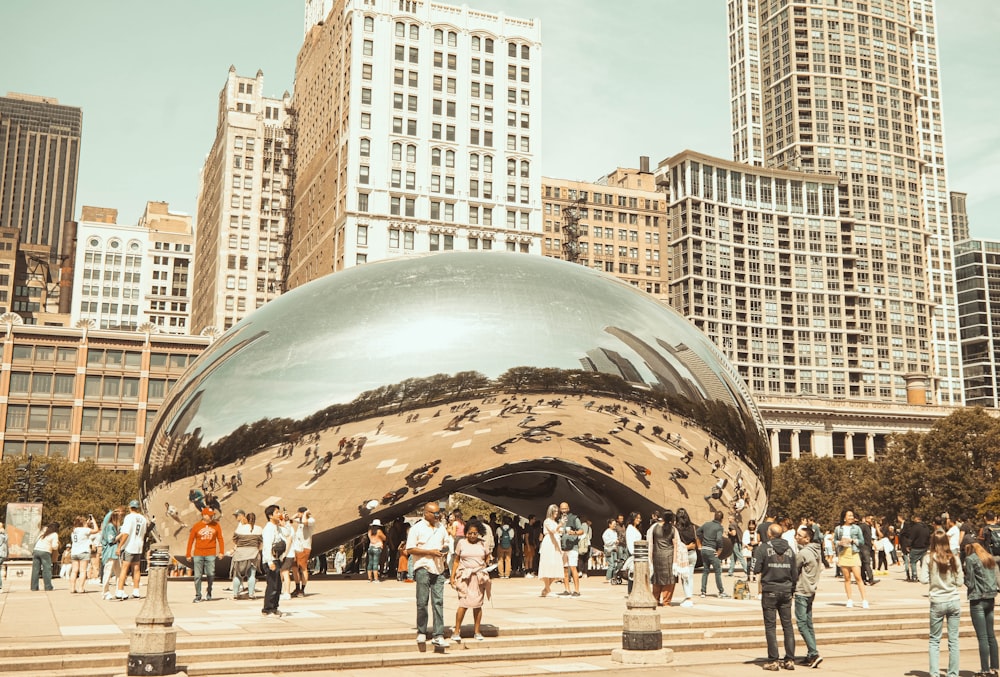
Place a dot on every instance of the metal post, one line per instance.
(153, 649)
(642, 638)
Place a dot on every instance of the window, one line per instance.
(369, 24)
(367, 48)
(362, 202)
(394, 238)
(363, 236)
(366, 147)
(363, 174)
(366, 121)
(397, 152)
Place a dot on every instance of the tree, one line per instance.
(822, 488)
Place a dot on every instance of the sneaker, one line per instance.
(441, 642)
(850, 604)
(702, 594)
(564, 593)
(724, 596)
(479, 637)
(814, 661)
(196, 600)
(788, 664)
(285, 596)
(135, 593)
(864, 604)
(575, 594)
(421, 638)
(687, 603)
(772, 666)
(208, 599)
(121, 596)
(456, 635)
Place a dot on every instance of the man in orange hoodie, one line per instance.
(204, 544)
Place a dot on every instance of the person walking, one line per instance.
(204, 545)
(470, 579)
(809, 560)
(426, 546)
(943, 573)
(710, 536)
(551, 558)
(981, 583)
(775, 563)
(41, 556)
(849, 539)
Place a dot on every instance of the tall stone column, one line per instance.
(822, 443)
(796, 452)
(775, 450)
(870, 446)
(153, 649)
(849, 445)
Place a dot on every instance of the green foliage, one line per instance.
(951, 468)
(72, 489)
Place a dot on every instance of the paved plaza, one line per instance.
(337, 606)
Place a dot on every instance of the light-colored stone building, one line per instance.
(126, 276)
(243, 206)
(417, 130)
(616, 224)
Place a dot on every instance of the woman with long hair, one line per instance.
(248, 539)
(688, 534)
(944, 574)
(849, 541)
(981, 583)
(376, 542)
(110, 564)
(41, 555)
(666, 551)
(80, 551)
(550, 555)
(632, 534)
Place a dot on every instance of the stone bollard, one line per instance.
(642, 638)
(152, 650)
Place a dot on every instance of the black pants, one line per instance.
(778, 604)
(866, 564)
(272, 593)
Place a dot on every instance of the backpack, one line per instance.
(741, 589)
(991, 539)
(506, 536)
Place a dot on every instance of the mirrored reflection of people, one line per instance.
(376, 544)
(551, 560)
(204, 545)
(131, 540)
(41, 557)
(426, 546)
(340, 560)
(470, 579)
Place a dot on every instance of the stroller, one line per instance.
(624, 571)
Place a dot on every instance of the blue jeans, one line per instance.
(709, 560)
(204, 566)
(778, 604)
(738, 556)
(41, 563)
(251, 582)
(430, 586)
(611, 557)
(981, 611)
(374, 555)
(939, 612)
(917, 561)
(804, 619)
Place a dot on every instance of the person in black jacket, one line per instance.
(774, 561)
(920, 540)
(904, 530)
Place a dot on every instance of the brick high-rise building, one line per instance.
(417, 130)
(852, 89)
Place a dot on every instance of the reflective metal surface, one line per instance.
(518, 379)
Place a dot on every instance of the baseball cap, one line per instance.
(207, 511)
(303, 509)
(133, 503)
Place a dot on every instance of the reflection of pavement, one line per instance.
(498, 434)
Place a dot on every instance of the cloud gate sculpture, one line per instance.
(517, 379)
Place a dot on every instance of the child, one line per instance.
(272, 593)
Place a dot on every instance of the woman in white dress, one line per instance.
(550, 562)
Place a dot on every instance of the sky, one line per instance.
(619, 80)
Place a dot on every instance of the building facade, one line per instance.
(126, 276)
(852, 89)
(616, 224)
(417, 128)
(85, 394)
(959, 217)
(39, 163)
(977, 276)
(243, 197)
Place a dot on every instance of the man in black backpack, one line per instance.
(775, 562)
(991, 534)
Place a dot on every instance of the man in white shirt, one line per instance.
(426, 546)
(131, 539)
(305, 524)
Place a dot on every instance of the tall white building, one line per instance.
(417, 129)
(852, 89)
(243, 200)
(126, 276)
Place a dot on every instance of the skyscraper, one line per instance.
(977, 265)
(242, 206)
(416, 130)
(851, 89)
(39, 161)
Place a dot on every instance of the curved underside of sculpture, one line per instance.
(521, 380)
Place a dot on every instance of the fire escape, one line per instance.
(571, 229)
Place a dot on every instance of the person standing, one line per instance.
(41, 556)
(4, 551)
(273, 548)
(810, 563)
(610, 540)
(710, 539)
(570, 531)
(110, 565)
(849, 540)
(530, 540)
(80, 551)
(689, 537)
(943, 573)
(427, 545)
(247, 539)
(736, 534)
(903, 529)
(131, 540)
(470, 579)
(505, 546)
(666, 551)
(376, 543)
(920, 538)
(204, 545)
(774, 562)
(981, 582)
(305, 525)
(632, 536)
(550, 555)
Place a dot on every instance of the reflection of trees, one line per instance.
(733, 427)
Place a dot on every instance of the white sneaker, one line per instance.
(421, 638)
(135, 593)
(120, 595)
(850, 604)
(456, 635)
(687, 603)
(108, 596)
(441, 642)
(864, 604)
(285, 596)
